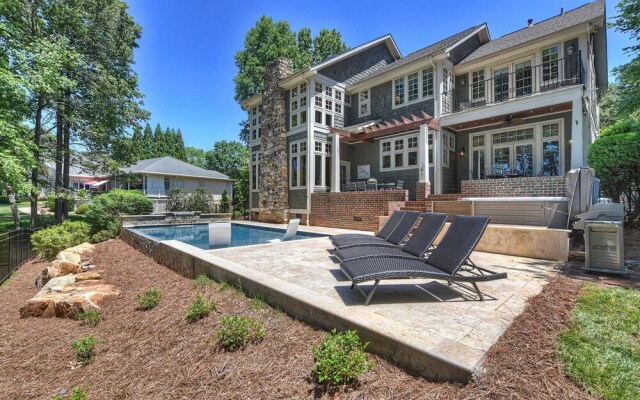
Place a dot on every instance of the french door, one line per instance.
(513, 158)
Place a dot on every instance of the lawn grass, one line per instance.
(601, 347)
(6, 217)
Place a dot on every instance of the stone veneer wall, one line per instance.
(273, 178)
(355, 210)
(169, 218)
(543, 186)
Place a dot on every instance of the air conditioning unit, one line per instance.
(604, 246)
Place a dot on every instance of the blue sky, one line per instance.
(186, 57)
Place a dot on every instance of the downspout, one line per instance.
(310, 146)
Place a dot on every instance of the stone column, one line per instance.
(273, 173)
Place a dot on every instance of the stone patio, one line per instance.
(431, 329)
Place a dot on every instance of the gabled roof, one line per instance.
(568, 19)
(387, 39)
(171, 166)
(430, 50)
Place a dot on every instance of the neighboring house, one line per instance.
(157, 176)
(79, 178)
(468, 107)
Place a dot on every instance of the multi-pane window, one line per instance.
(513, 136)
(477, 168)
(524, 78)
(298, 164)
(551, 149)
(398, 91)
(477, 85)
(427, 82)
(298, 106)
(328, 103)
(255, 168)
(412, 87)
(399, 153)
(255, 122)
(448, 145)
(550, 57)
(322, 167)
(363, 103)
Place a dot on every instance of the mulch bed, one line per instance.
(156, 354)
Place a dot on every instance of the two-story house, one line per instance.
(468, 107)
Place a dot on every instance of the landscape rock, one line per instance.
(85, 276)
(64, 264)
(82, 249)
(64, 297)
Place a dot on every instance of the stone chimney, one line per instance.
(273, 173)
(529, 22)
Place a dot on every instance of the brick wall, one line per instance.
(552, 186)
(355, 210)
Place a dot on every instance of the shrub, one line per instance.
(237, 331)
(224, 201)
(101, 236)
(177, 200)
(105, 210)
(149, 299)
(47, 243)
(203, 281)
(77, 393)
(90, 317)
(84, 348)
(51, 201)
(82, 209)
(340, 358)
(200, 308)
(200, 200)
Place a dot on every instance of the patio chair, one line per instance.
(399, 234)
(449, 261)
(292, 230)
(399, 185)
(372, 187)
(384, 233)
(361, 186)
(416, 247)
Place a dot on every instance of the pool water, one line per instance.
(198, 234)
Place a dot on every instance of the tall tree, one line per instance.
(327, 44)
(180, 150)
(232, 159)
(147, 142)
(159, 143)
(196, 156)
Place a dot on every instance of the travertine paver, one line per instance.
(446, 321)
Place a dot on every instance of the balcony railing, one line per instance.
(525, 81)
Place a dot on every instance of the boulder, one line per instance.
(64, 264)
(82, 249)
(64, 297)
(85, 276)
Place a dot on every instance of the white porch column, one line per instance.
(437, 161)
(577, 135)
(335, 163)
(423, 153)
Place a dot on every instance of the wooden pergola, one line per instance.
(387, 128)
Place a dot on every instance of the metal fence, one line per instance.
(15, 249)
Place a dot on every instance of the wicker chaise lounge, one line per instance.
(399, 234)
(415, 248)
(449, 261)
(384, 233)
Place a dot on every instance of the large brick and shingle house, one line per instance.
(465, 109)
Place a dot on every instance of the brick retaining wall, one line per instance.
(543, 186)
(355, 210)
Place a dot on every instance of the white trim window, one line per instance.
(328, 104)
(255, 171)
(363, 103)
(298, 164)
(298, 106)
(448, 145)
(478, 86)
(255, 122)
(551, 156)
(477, 168)
(399, 153)
(322, 172)
(427, 82)
(398, 92)
(550, 67)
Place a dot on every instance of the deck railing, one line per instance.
(523, 82)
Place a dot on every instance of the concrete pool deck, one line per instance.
(431, 329)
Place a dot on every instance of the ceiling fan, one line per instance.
(510, 120)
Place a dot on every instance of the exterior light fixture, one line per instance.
(570, 50)
(462, 150)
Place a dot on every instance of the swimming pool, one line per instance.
(198, 234)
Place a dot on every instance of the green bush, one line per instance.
(149, 299)
(200, 200)
(47, 243)
(200, 308)
(77, 393)
(236, 331)
(105, 210)
(51, 201)
(101, 236)
(340, 358)
(177, 200)
(203, 281)
(82, 209)
(84, 348)
(224, 201)
(90, 317)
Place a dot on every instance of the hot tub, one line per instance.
(534, 211)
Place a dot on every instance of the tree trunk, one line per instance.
(67, 159)
(36, 170)
(59, 157)
(14, 206)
